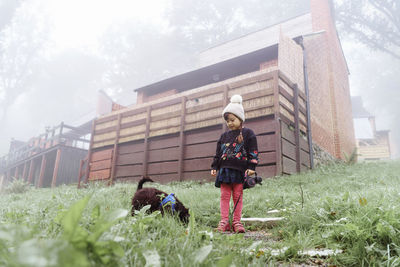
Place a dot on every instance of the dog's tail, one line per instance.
(142, 181)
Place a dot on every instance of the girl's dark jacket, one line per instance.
(230, 154)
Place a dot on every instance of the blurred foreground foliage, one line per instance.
(352, 208)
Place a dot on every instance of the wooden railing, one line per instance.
(61, 134)
(264, 94)
(202, 107)
(198, 108)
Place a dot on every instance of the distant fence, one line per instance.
(49, 159)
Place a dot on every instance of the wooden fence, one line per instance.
(174, 138)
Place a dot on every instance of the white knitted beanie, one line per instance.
(235, 107)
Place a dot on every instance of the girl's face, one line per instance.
(233, 122)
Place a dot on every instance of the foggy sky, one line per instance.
(65, 68)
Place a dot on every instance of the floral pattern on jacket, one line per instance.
(234, 155)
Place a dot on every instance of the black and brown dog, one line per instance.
(158, 200)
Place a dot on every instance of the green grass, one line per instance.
(354, 208)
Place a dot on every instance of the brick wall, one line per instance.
(330, 103)
(290, 60)
(320, 98)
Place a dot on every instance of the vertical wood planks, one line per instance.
(146, 142)
(31, 170)
(115, 150)
(296, 126)
(55, 171)
(24, 171)
(278, 136)
(182, 139)
(80, 173)
(89, 151)
(42, 170)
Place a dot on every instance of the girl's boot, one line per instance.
(238, 227)
(224, 226)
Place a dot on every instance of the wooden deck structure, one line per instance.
(371, 143)
(53, 158)
(174, 138)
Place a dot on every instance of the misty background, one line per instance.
(55, 55)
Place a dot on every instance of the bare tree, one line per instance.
(7, 11)
(202, 24)
(21, 43)
(375, 23)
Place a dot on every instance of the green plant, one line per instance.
(17, 186)
(352, 208)
(106, 252)
(352, 158)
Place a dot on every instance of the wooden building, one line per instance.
(293, 78)
(50, 159)
(371, 144)
(174, 137)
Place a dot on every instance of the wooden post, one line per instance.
(80, 173)
(61, 130)
(226, 102)
(146, 142)
(53, 133)
(45, 139)
(115, 150)
(182, 139)
(278, 134)
(306, 89)
(296, 125)
(31, 170)
(55, 171)
(42, 170)
(89, 157)
(24, 171)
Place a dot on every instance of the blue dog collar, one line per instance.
(169, 200)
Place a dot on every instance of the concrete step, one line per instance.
(322, 253)
(275, 211)
(271, 221)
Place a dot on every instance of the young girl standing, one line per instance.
(236, 156)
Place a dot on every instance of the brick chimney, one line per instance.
(330, 101)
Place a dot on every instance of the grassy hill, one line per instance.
(351, 208)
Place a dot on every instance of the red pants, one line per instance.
(226, 192)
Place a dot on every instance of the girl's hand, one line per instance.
(249, 172)
(213, 172)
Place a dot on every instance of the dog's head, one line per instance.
(184, 215)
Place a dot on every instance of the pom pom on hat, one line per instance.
(236, 99)
(235, 107)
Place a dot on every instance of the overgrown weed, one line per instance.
(349, 207)
(17, 186)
